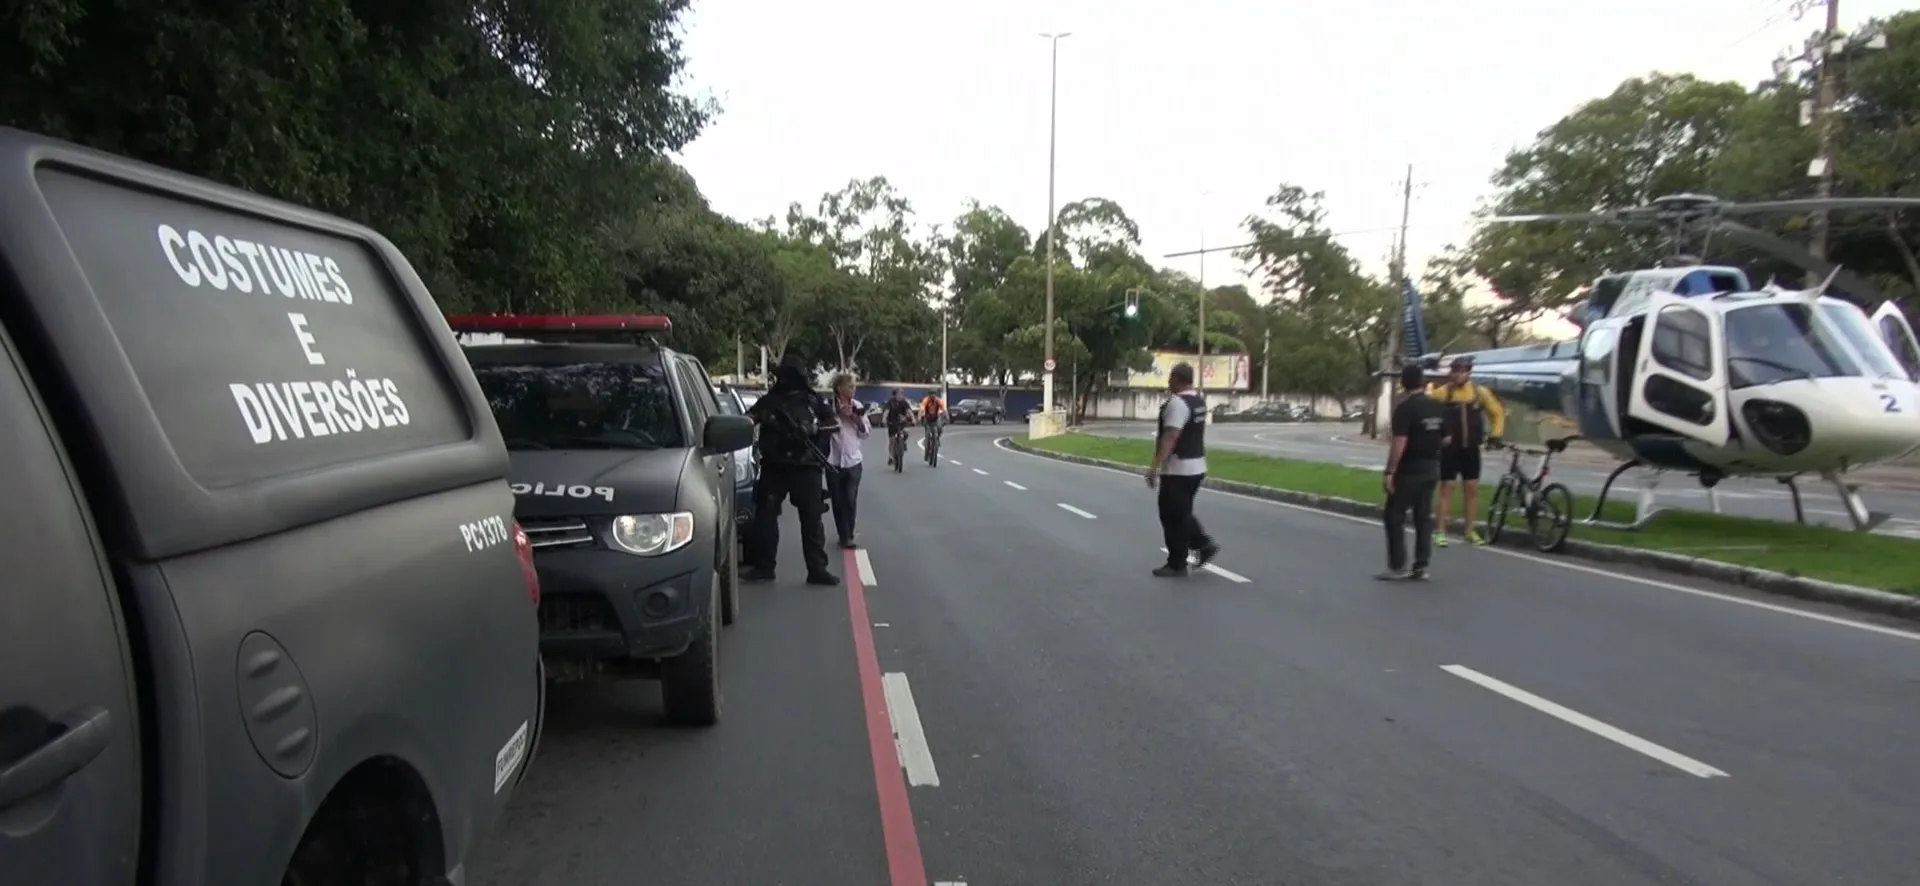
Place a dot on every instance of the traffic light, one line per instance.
(1130, 309)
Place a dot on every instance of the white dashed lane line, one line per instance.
(909, 738)
(1223, 573)
(1614, 734)
(1073, 510)
(865, 564)
(1015, 485)
(980, 472)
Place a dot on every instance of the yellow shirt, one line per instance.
(1471, 394)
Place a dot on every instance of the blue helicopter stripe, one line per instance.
(1415, 328)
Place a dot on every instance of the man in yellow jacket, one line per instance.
(1474, 419)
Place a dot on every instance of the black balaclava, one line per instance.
(790, 375)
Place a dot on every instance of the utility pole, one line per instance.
(1053, 136)
(1396, 270)
(1266, 360)
(1200, 371)
(945, 321)
(1825, 118)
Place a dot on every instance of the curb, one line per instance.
(1865, 476)
(1764, 580)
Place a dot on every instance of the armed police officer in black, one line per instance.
(1413, 470)
(796, 429)
(1179, 465)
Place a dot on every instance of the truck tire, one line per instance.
(690, 681)
(730, 588)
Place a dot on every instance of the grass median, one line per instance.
(1882, 562)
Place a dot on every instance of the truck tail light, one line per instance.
(523, 549)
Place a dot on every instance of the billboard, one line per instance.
(1222, 372)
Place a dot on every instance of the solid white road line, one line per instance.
(908, 736)
(1015, 485)
(1618, 736)
(1073, 510)
(980, 472)
(1560, 563)
(865, 564)
(1230, 576)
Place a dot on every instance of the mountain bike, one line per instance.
(1547, 507)
(897, 449)
(933, 444)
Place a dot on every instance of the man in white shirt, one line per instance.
(843, 482)
(1179, 464)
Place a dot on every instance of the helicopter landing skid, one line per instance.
(1863, 519)
(1644, 509)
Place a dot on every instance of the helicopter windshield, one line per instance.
(1853, 323)
(1774, 342)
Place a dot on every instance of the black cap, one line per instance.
(1412, 376)
(1462, 363)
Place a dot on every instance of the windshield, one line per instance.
(581, 406)
(1859, 332)
(1778, 342)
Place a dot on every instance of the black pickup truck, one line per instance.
(623, 471)
(267, 618)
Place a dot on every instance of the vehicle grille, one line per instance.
(558, 533)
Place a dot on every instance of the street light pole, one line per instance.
(945, 321)
(1053, 136)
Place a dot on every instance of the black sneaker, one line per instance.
(1205, 555)
(826, 579)
(1170, 572)
(1392, 575)
(846, 544)
(1419, 573)
(757, 575)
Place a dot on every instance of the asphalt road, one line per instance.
(1063, 718)
(1759, 498)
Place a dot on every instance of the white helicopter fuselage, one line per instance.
(1772, 383)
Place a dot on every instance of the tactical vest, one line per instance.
(1192, 442)
(791, 435)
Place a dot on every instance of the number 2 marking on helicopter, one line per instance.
(1889, 403)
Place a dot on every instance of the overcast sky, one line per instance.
(1186, 112)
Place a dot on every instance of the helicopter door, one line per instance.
(1679, 381)
(1898, 335)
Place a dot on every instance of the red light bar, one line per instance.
(508, 324)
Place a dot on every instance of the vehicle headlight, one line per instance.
(651, 534)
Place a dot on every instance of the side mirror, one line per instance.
(727, 433)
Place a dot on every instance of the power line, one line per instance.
(1329, 235)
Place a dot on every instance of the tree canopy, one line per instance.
(520, 154)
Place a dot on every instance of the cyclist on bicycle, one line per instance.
(1474, 418)
(932, 410)
(899, 414)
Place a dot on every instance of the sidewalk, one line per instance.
(1905, 478)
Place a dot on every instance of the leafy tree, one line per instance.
(1652, 136)
(502, 145)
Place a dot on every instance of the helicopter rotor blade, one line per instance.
(1797, 256)
(1814, 204)
(1606, 216)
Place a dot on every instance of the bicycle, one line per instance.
(897, 448)
(933, 444)
(1548, 507)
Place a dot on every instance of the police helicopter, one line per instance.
(1689, 368)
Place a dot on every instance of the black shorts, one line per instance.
(1457, 463)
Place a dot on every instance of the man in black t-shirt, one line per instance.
(1413, 470)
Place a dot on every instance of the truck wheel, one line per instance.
(730, 588)
(996, 419)
(690, 681)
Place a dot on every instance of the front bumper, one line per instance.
(602, 605)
